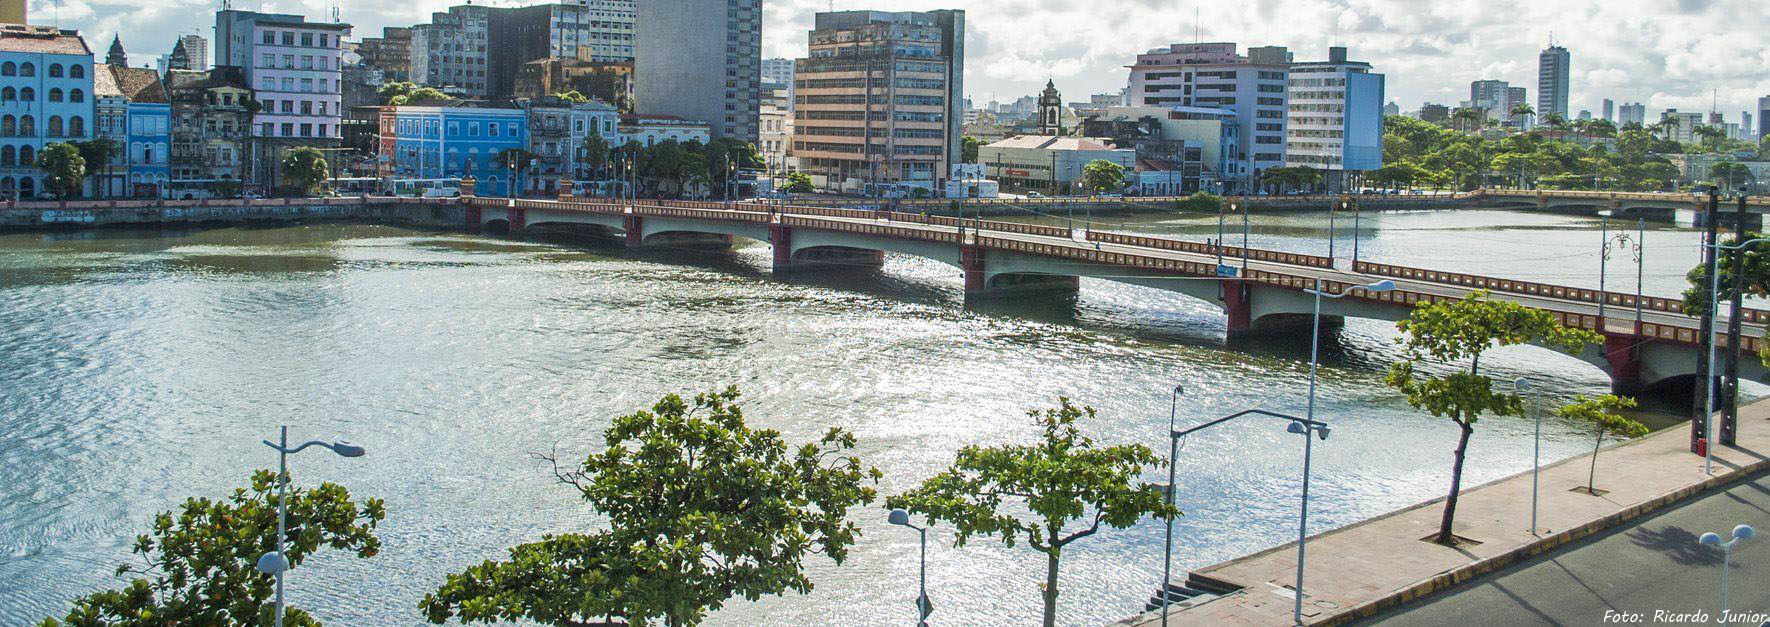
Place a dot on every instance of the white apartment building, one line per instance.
(1336, 117)
(294, 68)
(1214, 75)
(450, 54)
(777, 139)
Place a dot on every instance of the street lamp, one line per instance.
(1307, 427)
(1315, 336)
(1168, 541)
(1621, 240)
(1522, 386)
(923, 608)
(1708, 414)
(1742, 532)
(276, 563)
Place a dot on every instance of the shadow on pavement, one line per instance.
(1677, 543)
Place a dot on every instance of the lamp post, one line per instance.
(1221, 205)
(1708, 414)
(923, 609)
(1315, 336)
(1522, 386)
(1609, 243)
(276, 563)
(1168, 539)
(1742, 532)
(1356, 233)
(1308, 427)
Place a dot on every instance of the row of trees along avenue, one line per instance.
(703, 509)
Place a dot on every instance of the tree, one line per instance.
(1457, 333)
(968, 146)
(1523, 109)
(305, 169)
(1714, 135)
(799, 183)
(1669, 123)
(1059, 479)
(63, 168)
(1101, 175)
(1755, 281)
(594, 153)
(397, 94)
(199, 562)
(1601, 412)
(701, 509)
(1473, 118)
(98, 152)
(573, 96)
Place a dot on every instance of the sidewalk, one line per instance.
(1356, 571)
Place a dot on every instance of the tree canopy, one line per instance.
(701, 509)
(199, 562)
(305, 168)
(397, 94)
(63, 168)
(1602, 412)
(1101, 175)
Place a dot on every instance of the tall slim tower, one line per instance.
(12, 11)
(1050, 110)
(1552, 81)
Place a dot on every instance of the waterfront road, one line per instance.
(1626, 575)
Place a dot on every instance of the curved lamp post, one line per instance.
(1168, 540)
(1315, 335)
(923, 608)
(1305, 426)
(1708, 414)
(1742, 532)
(275, 563)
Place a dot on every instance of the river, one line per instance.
(142, 367)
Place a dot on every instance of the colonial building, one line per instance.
(391, 53)
(608, 81)
(1050, 110)
(1049, 164)
(211, 129)
(561, 134)
(453, 140)
(133, 111)
(45, 81)
(648, 130)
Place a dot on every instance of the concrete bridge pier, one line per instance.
(981, 284)
(786, 260)
(1623, 353)
(635, 227)
(518, 218)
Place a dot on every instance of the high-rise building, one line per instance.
(1609, 109)
(293, 65)
(1214, 75)
(477, 51)
(1631, 112)
(1336, 117)
(196, 49)
(1553, 80)
(701, 61)
(451, 52)
(777, 70)
(879, 98)
(1435, 113)
(1585, 115)
(777, 84)
(1763, 117)
(1516, 96)
(1490, 95)
(1393, 108)
(1685, 132)
(391, 53)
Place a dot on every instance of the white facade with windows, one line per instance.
(45, 98)
(1214, 75)
(1336, 116)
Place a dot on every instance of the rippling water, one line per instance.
(144, 367)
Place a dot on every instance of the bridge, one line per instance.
(1259, 291)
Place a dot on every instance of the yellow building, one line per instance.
(12, 11)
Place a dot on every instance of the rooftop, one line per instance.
(1053, 142)
(138, 84)
(41, 39)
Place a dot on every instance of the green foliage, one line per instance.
(799, 183)
(1101, 175)
(305, 169)
(1291, 178)
(226, 188)
(63, 168)
(701, 509)
(1459, 333)
(1435, 155)
(98, 152)
(1061, 478)
(572, 96)
(1755, 281)
(968, 146)
(397, 94)
(199, 563)
(1601, 412)
(1200, 202)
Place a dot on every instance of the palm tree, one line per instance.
(1471, 117)
(1669, 123)
(1555, 121)
(1522, 111)
(1712, 133)
(517, 161)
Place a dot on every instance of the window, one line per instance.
(8, 69)
(288, 38)
(8, 156)
(288, 129)
(289, 61)
(76, 71)
(55, 94)
(55, 70)
(264, 130)
(76, 126)
(492, 130)
(27, 69)
(268, 60)
(55, 128)
(307, 130)
(270, 38)
(307, 39)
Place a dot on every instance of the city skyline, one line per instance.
(1665, 55)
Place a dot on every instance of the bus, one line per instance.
(199, 189)
(355, 186)
(425, 188)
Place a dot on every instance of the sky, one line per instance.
(1680, 54)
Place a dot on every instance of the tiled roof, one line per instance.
(41, 39)
(104, 84)
(139, 84)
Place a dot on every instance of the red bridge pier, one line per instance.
(1623, 353)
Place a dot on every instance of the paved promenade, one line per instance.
(1361, 569)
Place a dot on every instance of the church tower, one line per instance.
(116, 56)
(1050, 110)
(180, 58)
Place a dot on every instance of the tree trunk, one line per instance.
(1456, 486)
(1051, 586)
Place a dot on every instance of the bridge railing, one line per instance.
(1510, 286)
(1295, 259)
(881, 229)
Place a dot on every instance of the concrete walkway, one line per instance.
(1356, 571)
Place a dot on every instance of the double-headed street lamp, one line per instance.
(277, 563)
(901, 518)
(1742, 532)
(1309, 428)
(1708, 414)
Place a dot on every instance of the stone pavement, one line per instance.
(1358, 570)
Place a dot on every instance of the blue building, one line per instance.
(450, 141)
(133, 111)
(1336, 118)
(45, 85)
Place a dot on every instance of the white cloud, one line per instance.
(1626, 50)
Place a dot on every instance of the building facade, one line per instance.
(560, 136)
(450, 52)
(878, 99)
(196, 54)
(1764, 117)
(1214, 75)
(650, 130)
(776, 141)
(211, 129)
(391, 53)
(1553, 81)
(45, 88)
(1336, 117)
(295, 70)
(133, 111)
(1189, 149)
(608, 81)
(1631, 113)
(451, 142)
(1609, 110)
(701, 61)
(1052, 165)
